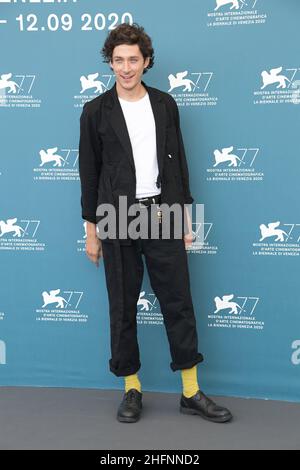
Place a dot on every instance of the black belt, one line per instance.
(147, 201)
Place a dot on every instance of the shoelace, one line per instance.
(130, 396)
(207, 400)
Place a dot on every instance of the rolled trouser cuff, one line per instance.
(187, 365)
(122, 372)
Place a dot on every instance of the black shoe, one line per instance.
(201, 405)
(131, 406)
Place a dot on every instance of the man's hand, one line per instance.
(94, 249)
(188, 240)
(93, 244)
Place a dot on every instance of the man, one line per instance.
(131, 146)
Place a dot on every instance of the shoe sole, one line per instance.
(127, 420)
(189, 411)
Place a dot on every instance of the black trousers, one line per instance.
(167, 265)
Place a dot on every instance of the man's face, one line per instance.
(128, 65)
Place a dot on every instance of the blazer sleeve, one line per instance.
(188, 199)
(90, 163)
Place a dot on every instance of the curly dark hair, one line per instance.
(128, 34)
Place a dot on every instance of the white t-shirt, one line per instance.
(141, 128)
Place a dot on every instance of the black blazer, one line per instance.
(106, 163)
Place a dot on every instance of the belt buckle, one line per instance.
(151, 198)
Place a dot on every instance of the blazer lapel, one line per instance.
(159, 112)
(117, 121)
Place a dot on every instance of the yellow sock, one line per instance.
(190, 382)
(132, 381)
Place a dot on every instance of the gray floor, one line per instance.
(66, 418)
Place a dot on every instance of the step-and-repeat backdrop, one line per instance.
(233, 67)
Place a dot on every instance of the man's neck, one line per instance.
(131, 95)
